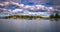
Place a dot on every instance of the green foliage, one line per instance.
(56, 16)
(51, 16)
(23, 17)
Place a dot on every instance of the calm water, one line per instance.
(7, 25)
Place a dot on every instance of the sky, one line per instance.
(14, 7)
(56, 2)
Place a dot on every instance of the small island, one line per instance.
(22, 17)
(52, 16)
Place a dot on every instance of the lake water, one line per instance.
(10, 25)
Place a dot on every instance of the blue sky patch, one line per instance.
(12, 8)
(30, 3)
(48, 4)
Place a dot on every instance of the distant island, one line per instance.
(52, 16)
(22, 17)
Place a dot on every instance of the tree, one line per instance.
(56, 15)
(51, 16)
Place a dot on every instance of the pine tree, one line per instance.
(51, 16)
(56, 15)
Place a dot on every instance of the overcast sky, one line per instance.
(37, 1)
(20, 7)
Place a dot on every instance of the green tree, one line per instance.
(56, 15)
(52, 16)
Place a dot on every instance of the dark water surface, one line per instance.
(10, 25)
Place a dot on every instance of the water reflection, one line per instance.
(9, 25)
(55, 25)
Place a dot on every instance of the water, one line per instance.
(10, 25)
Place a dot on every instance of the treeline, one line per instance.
(55, 16)
(52, 16)
(22, 17)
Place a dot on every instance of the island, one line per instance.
(52, 16)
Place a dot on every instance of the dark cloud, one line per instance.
(9, 0)
(11, 4)
(56, 2)
(2, 0)
(13, 0)
(16, 5)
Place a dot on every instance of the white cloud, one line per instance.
(17, 10)
(26, 8)
(21, 5)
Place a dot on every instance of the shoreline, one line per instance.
(33, 19)
(25, 17)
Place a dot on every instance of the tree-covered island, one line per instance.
(52, 16)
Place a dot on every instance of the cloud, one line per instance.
(56, 2)
(39, 8)
(2, 0)
(26, 9)
(35, 1)
(9, 0)
(17, 10)
(36, 8)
